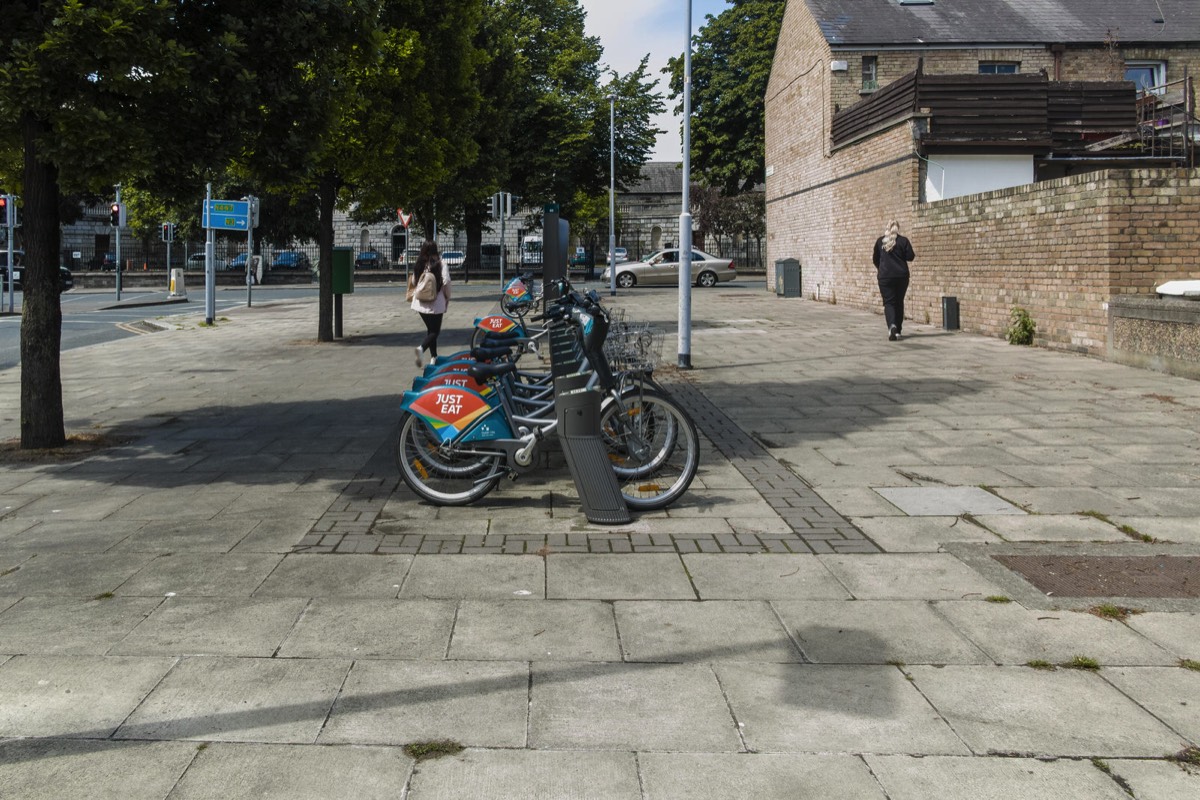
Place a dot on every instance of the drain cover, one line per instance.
(1109, 576)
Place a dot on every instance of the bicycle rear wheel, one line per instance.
(653, 446)
(443, 476)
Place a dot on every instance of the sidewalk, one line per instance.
(239, 598)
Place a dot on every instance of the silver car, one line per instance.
(662, 269)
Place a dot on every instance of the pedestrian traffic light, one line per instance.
(494, 206)
(168, 232)
(115, 215)
(8, 211)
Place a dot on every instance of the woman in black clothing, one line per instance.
(891, 257)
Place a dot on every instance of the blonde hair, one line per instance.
(889, 235)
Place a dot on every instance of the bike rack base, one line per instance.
(578, 410)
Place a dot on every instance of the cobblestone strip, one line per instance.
(349, 524)
(813, 521)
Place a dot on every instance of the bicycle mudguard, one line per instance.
(449, 410)
(498, 323)
(459, 380)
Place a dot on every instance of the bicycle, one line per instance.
(455, 444)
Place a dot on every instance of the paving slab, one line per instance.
(908, 576)
(716, 630)
(817, 708)
(69, 574)
(528, 773)
(278, 535)
(213, 626)
(207, 574)
(762, 577)
(290, 772)
(875, 632)
(506, 630)
(921, 534)
(84, 697)
(935, 501)
(476, 577)
(1158, 780)
(1178, 632)
(1011, 634)
(638, 576)
(86, 503)
(303, 575)
(955, 778)
(1185, 530)
(43, 769)
(1037, 712)
(1170, 694)
(717, 776)
(1053, 528)
(589, 706)
(192, 536)
(1072, 499)
(474, 703)
(353, 627)
(68, 536)
(71, 625)
(239, 700)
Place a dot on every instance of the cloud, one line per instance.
(631, 29)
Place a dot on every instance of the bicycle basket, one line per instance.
(633, 346)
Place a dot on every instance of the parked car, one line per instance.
(621, 253)
(291, 259)
(66, 279)
(662, 268)
(195, 261)
(238, 263)
(368, 259)
(453, 259)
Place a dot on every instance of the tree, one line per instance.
(730, 69)
(151, 94)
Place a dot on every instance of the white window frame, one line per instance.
(1158, 68)
(1016, 65)
(872, 83)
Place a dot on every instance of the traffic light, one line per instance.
(494, 206)
(8, 210)
(168, 232)
(254, 211)
(115, 214)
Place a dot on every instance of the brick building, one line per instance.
(1025, 184)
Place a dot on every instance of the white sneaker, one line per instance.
(418, 360)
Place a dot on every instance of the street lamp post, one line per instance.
(685, 217)
(612, 191)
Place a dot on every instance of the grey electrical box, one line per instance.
(787, 277)
(950, 313)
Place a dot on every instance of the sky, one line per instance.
(629, 29)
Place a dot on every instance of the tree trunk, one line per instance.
(41, 317)
(473, 222)
(327, 194)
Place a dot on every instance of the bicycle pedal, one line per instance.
(512, 476)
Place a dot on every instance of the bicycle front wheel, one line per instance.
(653, 446)
(444, 476)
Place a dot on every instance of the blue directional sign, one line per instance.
(226, 215)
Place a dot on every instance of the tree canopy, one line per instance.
(731, 65)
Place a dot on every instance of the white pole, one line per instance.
(612, 191)
(502, 210)
(685, 217)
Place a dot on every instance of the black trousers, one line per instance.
(893, 290)
(433, 327)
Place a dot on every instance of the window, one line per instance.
(1146, 74)
(999, 67)
(870, 73)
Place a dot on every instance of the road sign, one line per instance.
(404, 218)
(225, 215)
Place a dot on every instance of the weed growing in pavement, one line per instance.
(105, 596)
(1188, 755)
(1039, 663)
(1022, 327)
(1081, 662)
(1134, 533)
(998, 598)
(1102, 765)
(1109, 611)
(1188, 663)
(1094, 515)
(423, 751)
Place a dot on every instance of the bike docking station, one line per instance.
(578, 407)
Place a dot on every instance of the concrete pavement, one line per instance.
(236, 596)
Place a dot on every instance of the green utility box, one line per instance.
(343, 270)
(787, 277)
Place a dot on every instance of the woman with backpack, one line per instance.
(429, 291)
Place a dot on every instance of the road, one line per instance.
(89, 318)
